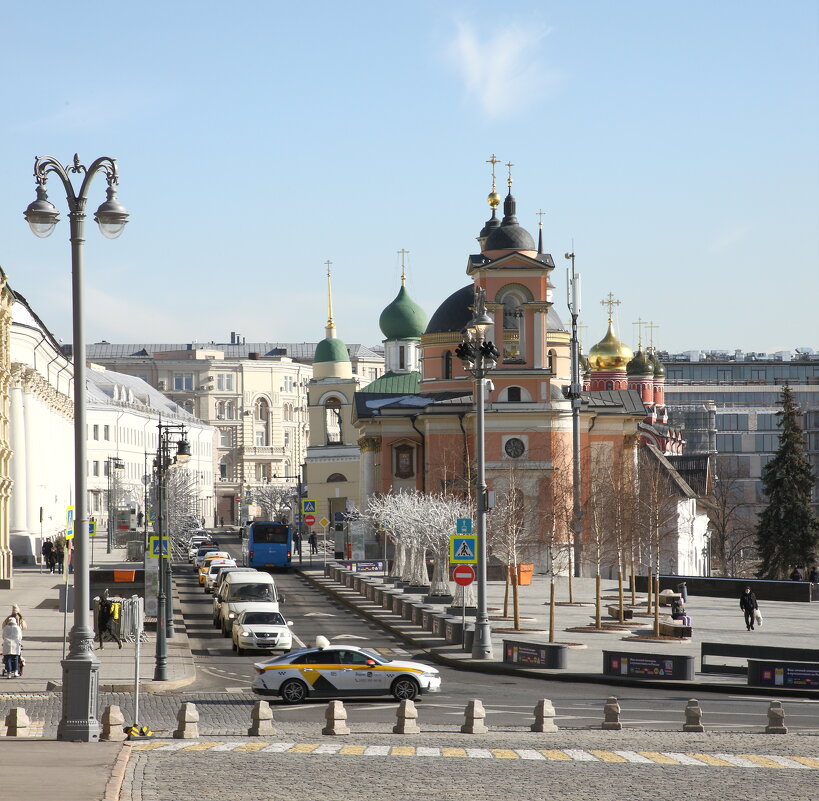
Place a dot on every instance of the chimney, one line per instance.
(232, 337)
(253, 355)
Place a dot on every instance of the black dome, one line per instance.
(454, 313)
(509, 237)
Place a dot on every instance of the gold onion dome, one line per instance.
(610, 353)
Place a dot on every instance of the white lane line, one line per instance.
(529, 753)
(479, 753)
(579, 756)
(684, 759)
(739, 761)
(277, 748)
(175, 746)
(328, 748)
(785, 762)
(225, 747)
(426, 751)
(377, 750)
(634, 757)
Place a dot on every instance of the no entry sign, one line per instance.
(309, 520)
(463, 575)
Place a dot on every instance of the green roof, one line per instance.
(395, 384)
(331, 350)
(403, 318)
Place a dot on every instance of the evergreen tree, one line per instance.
(787, 531)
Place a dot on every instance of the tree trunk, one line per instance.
(657, 606)
(598, 623)
(506, 594)
(516, 597)
(571, 591)
(650, 587)
(633, 583)
(620, 593)
(552, 608)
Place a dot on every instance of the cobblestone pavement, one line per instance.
(571, 765)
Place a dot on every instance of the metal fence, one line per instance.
(128, 617)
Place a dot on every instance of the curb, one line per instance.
(499, 668)
(115, 782)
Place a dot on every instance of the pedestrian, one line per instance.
(221, 522)
(47, 551)
(313, 540)
(59, 557)
(17, 615)
(749, 606)
(678, 612)
(12, 647)
(814, 575)
(297, 542)
(105, 619)
(796, 574)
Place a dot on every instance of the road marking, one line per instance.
(505, 753)
(426, 751)
(479, 753)
(607, 756)
(402, 750)
(347, 637)
(580, 756)
(715, 762)
(553, 755)
(529, 753)
(658, 758)
(318, 614)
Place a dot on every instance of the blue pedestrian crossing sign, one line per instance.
(308, 506)
(153, 546)
(464, 525)
(463, 549)
(69, 522)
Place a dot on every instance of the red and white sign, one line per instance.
(463, 575)
(309, 520)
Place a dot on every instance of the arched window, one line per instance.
(188, 406)
(220, 410)
(262, 410)
(402, 357)
(262, 423)
(513, 394)
(229, 410)
(609, 384)
(332, 420)
(336, 477)
(446, 370)
(552, 360)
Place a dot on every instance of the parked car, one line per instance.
(210, 570)
(240, 589)
(341, 671)
(258, 628)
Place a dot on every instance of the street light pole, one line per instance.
(78, 720)
(479, 356)
(112, 463)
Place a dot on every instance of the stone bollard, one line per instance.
(113, 725)
(17, 722)
(474, 716)
(693, 716)
(544, 716)
(188, 720)
(612, 715)
(776, 719)
(336, 718)
(261, 720)
(407, 719)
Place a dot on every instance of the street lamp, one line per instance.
(78, 720)
(164, 613)
(479, 356)
(112, 463)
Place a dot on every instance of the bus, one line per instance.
(267, 545)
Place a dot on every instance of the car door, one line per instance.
(355, 675)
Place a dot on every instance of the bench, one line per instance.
(667, 596)
(750, 652)
(673, 628)
(614, 612)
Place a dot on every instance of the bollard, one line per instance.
(776, 719)
(407, 718)
(544, 716)
(17, 722)
(261, 720)
(188, 720)
(612, 715)
(113, 724)
(336, 718)
(693, 716)
(474, 716)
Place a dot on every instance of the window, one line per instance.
(224, 438)
(332, 420)
(767, 443)
(336, 477)
(260, 439)
(262, 409)
(552, 362)
(188, 406)
(96, 430)
(767, 422)
(732, 422)
(106, 432)
(95, 468)
(446, 370)
(404, 461)
(286, 439)
(729, 443)
(182, 381)
(223, 471)
(513, 394)
(224, 382)
(229, 410)
(402, 357)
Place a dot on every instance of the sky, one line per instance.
(672, 146)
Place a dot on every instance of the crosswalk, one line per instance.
(614, 756)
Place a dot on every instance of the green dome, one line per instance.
(403, 318)
(331, 350)
(640, 365)
(659, 367)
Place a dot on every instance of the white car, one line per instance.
(213, 570)
(259, 629)
(195, 543)
(340, 671)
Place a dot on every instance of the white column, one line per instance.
(19, 491)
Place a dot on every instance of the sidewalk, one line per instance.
(36, 592)
(714, 620)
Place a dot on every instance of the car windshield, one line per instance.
(376, 657)
(215, 567)
(263, 619)
(208, 549)
(251, 592)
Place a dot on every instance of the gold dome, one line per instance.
(610, 353)
(493, 199)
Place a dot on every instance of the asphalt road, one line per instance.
(509, 700)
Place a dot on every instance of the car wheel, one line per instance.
(293, 691)
(404, 689)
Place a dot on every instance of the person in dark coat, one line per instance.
(796, 574)
(678, 612)
(105, 620)
(749, 605)
(814, 575)
(313, 542)
(48, 555)
(59, 557)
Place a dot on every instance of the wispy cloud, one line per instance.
(502, 70)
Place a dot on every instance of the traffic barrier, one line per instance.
(611, 712)
(474, 717)
(261, 720)
(336, 719)
(113, 724)
(407, 715)
(17, 722)
(188, 720)
(544, 716)
(693, 716)
(776, 719)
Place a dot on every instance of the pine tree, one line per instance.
(788, 531)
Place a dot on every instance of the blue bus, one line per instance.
(267, 545)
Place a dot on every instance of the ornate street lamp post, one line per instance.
(479, 356)
(113, 464)
(78, 719)
(164, 614)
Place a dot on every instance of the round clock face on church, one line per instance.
(514, 448)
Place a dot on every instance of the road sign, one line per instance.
(463, 575)
(324, 522)
(69, 522)
(309, 520)
(463, 549)
(92, 528)
(308, 506)
(153, 547)
(464, 525)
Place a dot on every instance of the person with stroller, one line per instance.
(12, 646)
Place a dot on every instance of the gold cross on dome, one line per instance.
(509, 166)
(540, 214)
(403, 253)
(493, 161)
(651, 326)
(639, 322)
(611, 303)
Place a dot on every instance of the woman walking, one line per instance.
(12, 646)
(749, 605)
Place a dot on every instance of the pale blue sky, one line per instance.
(676, 144)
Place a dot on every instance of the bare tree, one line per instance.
(275, 499)
(733, 523)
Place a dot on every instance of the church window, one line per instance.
(609, 384)
(552, 363)
(404, 461)
(336, 477)
(447, 365)
(513, 394)
(332, 420)
(402, 357)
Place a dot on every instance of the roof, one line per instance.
(395, 383)
(403, 318)
(627, 400)
(694, 469)
(677, 480)
(331, 350)
(376, 403)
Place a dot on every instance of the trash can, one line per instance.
(525, 573)
(682, 590)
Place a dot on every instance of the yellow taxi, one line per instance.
(203, 564)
